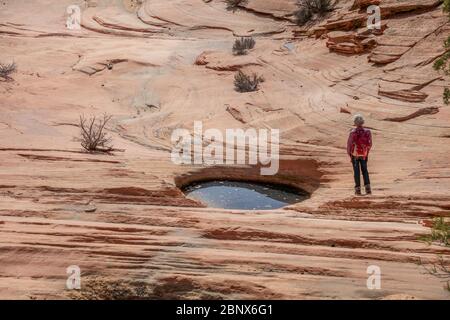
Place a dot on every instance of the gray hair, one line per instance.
(358, 120)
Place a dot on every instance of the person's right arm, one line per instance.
(350, 145)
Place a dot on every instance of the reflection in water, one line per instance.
(243, 195)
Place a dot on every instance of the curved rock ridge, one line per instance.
(158, 65)
(390, 45)
(182, 15)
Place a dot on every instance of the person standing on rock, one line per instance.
(358, 148)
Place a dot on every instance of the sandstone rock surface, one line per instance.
(161, 65)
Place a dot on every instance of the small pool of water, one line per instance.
(243, 195)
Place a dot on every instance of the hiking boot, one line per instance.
(358, 191)
(368, 189)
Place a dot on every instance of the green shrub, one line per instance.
(443, 62)
(447, 43)
(440, 64)
(439, 270)
(440, 232)
(447, 96)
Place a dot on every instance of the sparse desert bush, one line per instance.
(307, 8)
(439, 270)
(319, 6)
(440, 232)
(446, 96)
(303, 15)
(6, 70)
(247, 83)
(443, 63)
(93, 136)
(234, 4)
(242, 45)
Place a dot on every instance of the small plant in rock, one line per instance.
(446, 96)
(443, 63)
(319, 6)
(439, 270)
(303, 15)
(93, 136)
(440, 232)
(233, 5)
(307, 9)
(6, 70)
(242, 45)
(247, 83)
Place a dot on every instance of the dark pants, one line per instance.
(360, 165)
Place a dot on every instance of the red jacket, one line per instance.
(359, 143)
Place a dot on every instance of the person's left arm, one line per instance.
(370, 144)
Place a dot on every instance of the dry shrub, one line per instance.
(234, 4)
(93, 136)
(6, 70)
(247, 83)
(307, 8)
(242, 45)
(319, 6)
